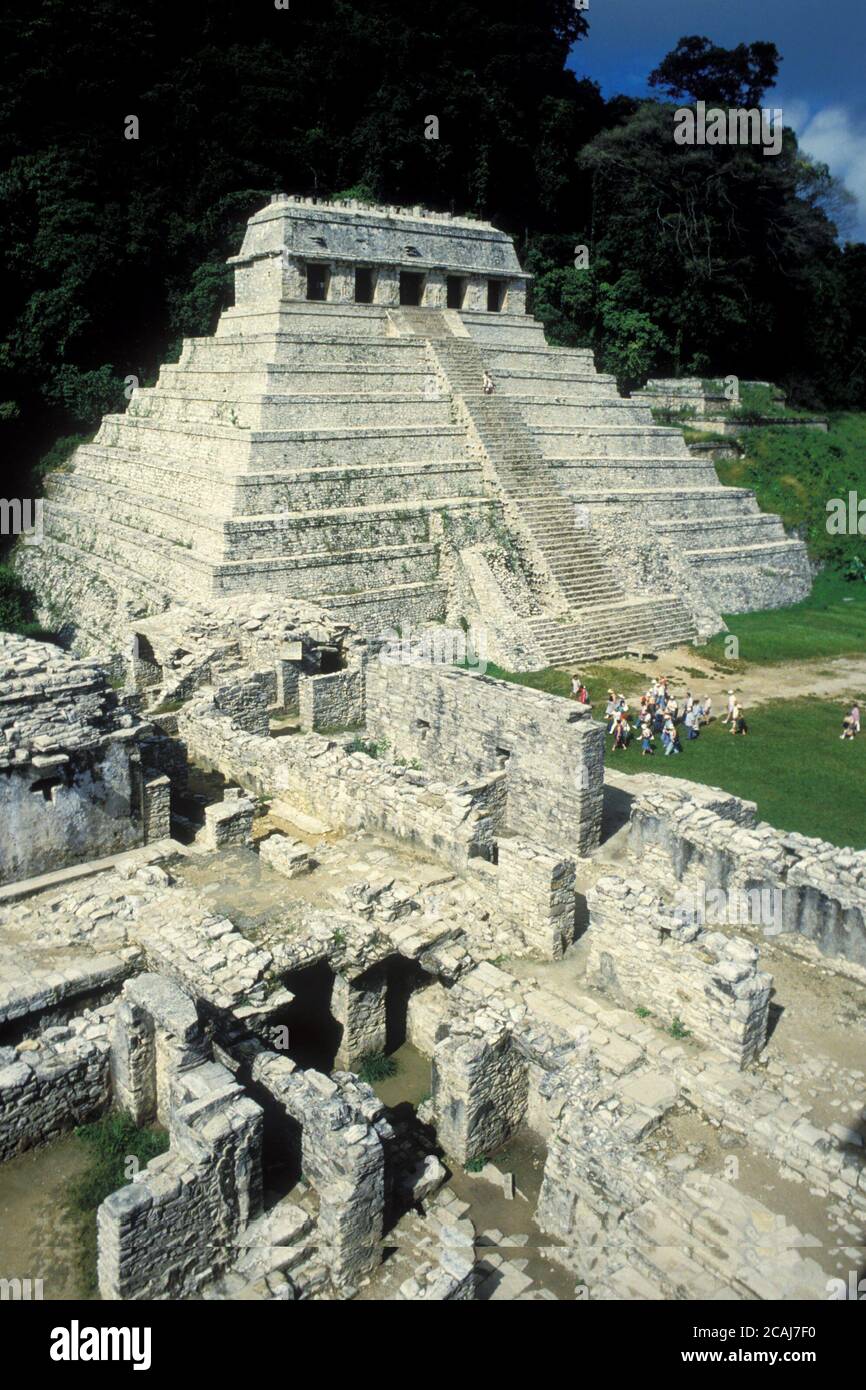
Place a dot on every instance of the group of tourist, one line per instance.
(660, 717)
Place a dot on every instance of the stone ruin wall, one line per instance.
(458, 724)
(537, 888)
(74, 781)
(173, 1229)
(93, 810)
(645, 955)
(343, 1156)
(332, 701)
(56, 1082)
(352, 790)
(704, 840)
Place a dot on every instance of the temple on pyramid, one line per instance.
(379, 427)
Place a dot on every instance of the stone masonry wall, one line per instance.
(351, 790)
(480, 1090)
(537, 888)
(647, 955)
(85, 811)
(634, 1232)
(245, 701)
(333, 701)
(359, 1005)
(344, 1159)
(52, 1083)
(157, 810)
(173, 1229)
(155, 1035)
(460, 724)
(703, 838)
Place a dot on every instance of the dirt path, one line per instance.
(839, 679)
(38, 1237)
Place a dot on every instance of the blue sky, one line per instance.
(822, 79)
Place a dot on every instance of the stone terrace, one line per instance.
(332, 442)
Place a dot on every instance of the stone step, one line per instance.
(380, 611)
(277, 412)
(756, 550)
(303, 349)
(330, 378)
(237, 450)
(576, 444)
(294, 489)
(577, 387)
(342, 529)
(302, 573)
(680, 502)
(577, 415)
(348, 573)
(755, 529)
(356, 320)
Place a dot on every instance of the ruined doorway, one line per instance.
(404, 977)
(317, 282)
(411, 288)
(365, 285)
(332, 659)
(314, 1033)
(456, 291)
(495, 296)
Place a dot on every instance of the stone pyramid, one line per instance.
(333, 442)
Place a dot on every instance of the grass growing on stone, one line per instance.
(371, 747)
(376, 1067)
(793, 764)
(168, 707)
(111, 1142)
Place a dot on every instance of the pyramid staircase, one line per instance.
(605, 452)
(597, 620)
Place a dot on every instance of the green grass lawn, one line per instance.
(830, 622)
(599, 679)
(793, 764)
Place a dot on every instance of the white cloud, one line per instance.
(832, 136)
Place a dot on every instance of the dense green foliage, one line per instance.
(709, 260)
(796, 471)
(16, 607)
(112, 249)
(700, 260)
(111, 1142)
(376, 1066)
